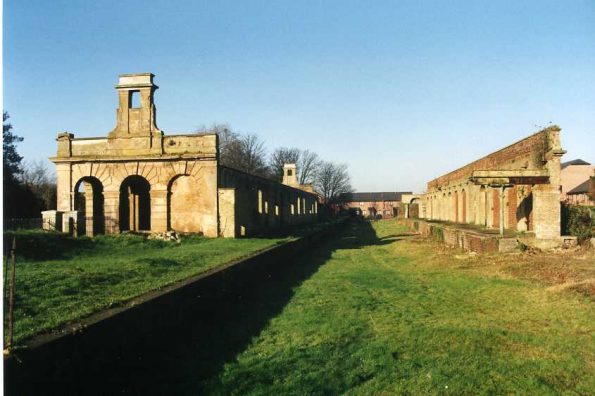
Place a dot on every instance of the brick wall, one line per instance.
(455, 197)
(527, 153)
(384, 208)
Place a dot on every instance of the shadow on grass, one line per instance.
(182, 360)
(42, 245)
(215, 329)
(39, 245)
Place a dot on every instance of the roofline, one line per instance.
(551, 127)
(266, 180)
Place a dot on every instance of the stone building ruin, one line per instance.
(515, 188)
(138, 179)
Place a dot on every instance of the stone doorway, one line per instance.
(88, 201)
(135, 204)
(414, 209)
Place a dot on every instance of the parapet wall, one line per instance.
(122, 148)
(528, 153)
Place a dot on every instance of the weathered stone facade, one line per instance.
(517, 188)
(138, 179)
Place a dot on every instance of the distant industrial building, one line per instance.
(576, 178)
(374, 204)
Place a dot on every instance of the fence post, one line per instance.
(11, 296)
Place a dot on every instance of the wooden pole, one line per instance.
(12, 295)
(5, 289)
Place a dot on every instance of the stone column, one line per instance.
(111, 204)
(227, 220)
(89, 213)
(64, 187)
(546, 211)
(501, 222)
(159, 210)
(489, 208)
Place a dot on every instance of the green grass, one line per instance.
(61, 279)
(380, 313)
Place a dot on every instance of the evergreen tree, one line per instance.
(11, 159)
(19, 200)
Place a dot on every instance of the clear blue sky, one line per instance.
(401, 91)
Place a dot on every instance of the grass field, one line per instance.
(376, 312)
(60, 279)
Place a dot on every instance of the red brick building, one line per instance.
(583, 194)
(575, 177)
(374, 204)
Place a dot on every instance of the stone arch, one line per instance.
(183, 203)
(135, 204)
(414, 208)
(88, 201)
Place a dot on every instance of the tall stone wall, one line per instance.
(261, 205)
(513, 187)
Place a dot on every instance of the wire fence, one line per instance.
(23, 224)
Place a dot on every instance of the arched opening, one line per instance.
(372, 212)
(414, 208)
(135, 204)
(88, 200)
(183, 204)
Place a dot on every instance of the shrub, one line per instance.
(578, 222)
(437, 233)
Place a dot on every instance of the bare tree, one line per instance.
(238, 151)
(280, 157)
(306, 162)
(39, 179)
(249, 156)
(331, 181)
(307, 166)
(242, 152)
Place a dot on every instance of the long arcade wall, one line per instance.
(528, 173)
(252, 205)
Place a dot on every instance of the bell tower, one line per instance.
(135, 117)
(290, 175)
